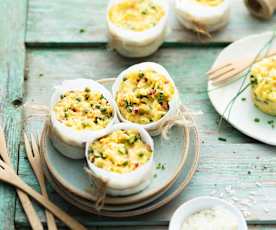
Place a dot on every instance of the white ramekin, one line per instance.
(200, 203)
(127, 183)
(137, 44)
(69, 141)
(174, 103)
(189, 13)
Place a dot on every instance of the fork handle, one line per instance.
(29, 211)
(63, 216)
(49, 216)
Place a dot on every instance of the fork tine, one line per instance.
(227, 77)
(213, 70)
(29, 150)
(34, 145)
(3, 164)
(221, 72)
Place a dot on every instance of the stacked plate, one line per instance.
(176, 162)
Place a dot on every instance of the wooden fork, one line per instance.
(33, 155)
(228, 71)
(24, 199)
(8, 175)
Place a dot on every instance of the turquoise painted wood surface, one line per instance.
(60, 22)
(240, 162)
(12, 58)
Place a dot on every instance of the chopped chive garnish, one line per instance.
(222, 139)
(160, 166)
(257, 120)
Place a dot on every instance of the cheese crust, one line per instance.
(122, 151)
(136, 15)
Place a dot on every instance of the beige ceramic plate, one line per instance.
(63, 192)
(148, 205)
(69, 173)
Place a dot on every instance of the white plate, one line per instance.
(243, 113)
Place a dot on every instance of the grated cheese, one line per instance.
(216, 218)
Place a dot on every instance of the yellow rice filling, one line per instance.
(122, 151)
(136, 15)
(210, 2)
(83, 110)
(263, 84)
(144, 95)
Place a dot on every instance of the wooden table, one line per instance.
(44, 42)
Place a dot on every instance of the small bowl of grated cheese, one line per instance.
(207, 213)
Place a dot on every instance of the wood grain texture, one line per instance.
(220, 166)
(59, 23)
(12, 53)
(239, 162)
(252, 227)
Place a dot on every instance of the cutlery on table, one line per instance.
(24, 199)
(8, 175)
(229, 70)
(33, 155)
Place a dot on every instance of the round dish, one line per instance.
(202, 16)
(69, 140)
(149, 204)
(90, 204)
(72, 176)
(153, 127)
(131, 43)
(200, 203)
(244, 115)
(125, 183)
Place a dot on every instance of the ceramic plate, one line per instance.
(171, 153)
(63, 192)
(243, 112)
(149, 205)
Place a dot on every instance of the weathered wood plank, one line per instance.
(251, 227)
(60, 22)
(12, 53)
(186, 65)
(241, 166)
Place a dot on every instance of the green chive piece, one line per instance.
(257, 120)
(222, 139)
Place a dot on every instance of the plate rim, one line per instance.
(150, 207)
(211, 87)
(60, 189)
(115, 200)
